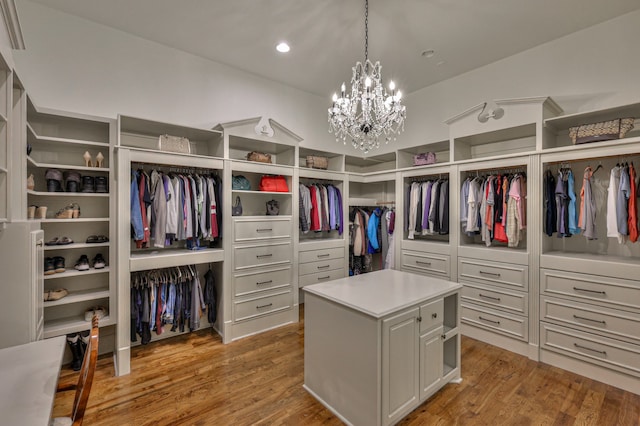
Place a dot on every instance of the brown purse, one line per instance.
(259, 157)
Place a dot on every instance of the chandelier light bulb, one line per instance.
(392, 85)
(367, 82)
(399, 96)
(335, 98)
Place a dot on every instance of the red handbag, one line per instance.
(274, 184)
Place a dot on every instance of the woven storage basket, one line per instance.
(259, 157)
(317, 162)
(174, 144)
(602, 131)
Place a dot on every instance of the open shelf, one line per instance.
(73, 324)
(68, 194)
(79, 296)
(73, 273)
(75, 246)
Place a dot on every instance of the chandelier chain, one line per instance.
(366, 31)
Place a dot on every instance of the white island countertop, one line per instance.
(382, 292)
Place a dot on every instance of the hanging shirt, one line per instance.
(588, 225)
(632, 218)
(573, 214)
(622, 206)
(612, 205)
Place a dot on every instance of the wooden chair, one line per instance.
(85, 380)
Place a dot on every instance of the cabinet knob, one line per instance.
(419, 319)
(434, 315)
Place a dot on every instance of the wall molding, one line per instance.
(12, 23)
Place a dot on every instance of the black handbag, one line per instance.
(273, 208)
(236, 209)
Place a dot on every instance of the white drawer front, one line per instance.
(272, 254)
(590, 287)
(598, 350)
(322, 254)
(609, 322)
(496, 297)
(260, 281)
(426, 262)
(322, 266)
(510, 325)
(504, 274)
(320, 277)
(256, 307)
(252, 229)
(432, 315)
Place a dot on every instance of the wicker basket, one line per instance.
(602, 131)
(259, 157)
(174, 144)
(317, 162)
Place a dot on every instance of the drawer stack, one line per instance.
(262, 273)
(317, 265)
(591, 318)
(495, 297)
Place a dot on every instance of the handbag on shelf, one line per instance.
(259, 157)
(236, 209)
(174, 144)
(602, 131)
(317, 162)
(240, 182)
(273, 208)
(274, 184)
(424, 159)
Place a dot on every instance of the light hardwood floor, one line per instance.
(196, 380)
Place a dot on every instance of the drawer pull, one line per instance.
(264, 230)
(434, 315)
(589, 291)
(264, 282)
(497, 299)
(260, 256)
(323, 267)
(421, 262)
(324, 278)
(488, 320)
(589, 319)
(324, 255)
(264, 306)
(604, 353)
(493, 274)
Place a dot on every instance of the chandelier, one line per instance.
(369, 113)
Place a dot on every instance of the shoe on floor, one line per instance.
(83, 263)
(99, 262)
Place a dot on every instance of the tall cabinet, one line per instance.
(261, 280)
(58, 143)
(138, 151)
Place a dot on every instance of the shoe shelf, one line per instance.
(79, 296)
(42, 165)
(76, 220)
(68, 194)
(73, 273)
(67, 325)
(74, 246)
(32, 136)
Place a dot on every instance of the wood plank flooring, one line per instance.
(196, 380)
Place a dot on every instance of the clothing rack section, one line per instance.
(371, 239)
(598, 201)
(174, 207)
(320, 208)
(427, 207)
(166, 302)
(493, 209)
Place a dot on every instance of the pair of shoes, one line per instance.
(83, 263)
(95, 239)
(98, 311)
(53, 295)
(35, 212)
(53, 265)
(89, 163)
(72, 181)
(70, 211)
(59, 241)
(99, 262)
(98, 184)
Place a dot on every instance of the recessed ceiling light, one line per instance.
(283, 47)
(428, 53)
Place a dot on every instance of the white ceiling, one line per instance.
(327, 36)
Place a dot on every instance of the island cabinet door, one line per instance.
(431, 358)
(400, 365)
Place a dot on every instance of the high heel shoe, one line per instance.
(41, 212)
(65, 212)
(31, 183)
(31, 212)
(87, 159)
(99, 159)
